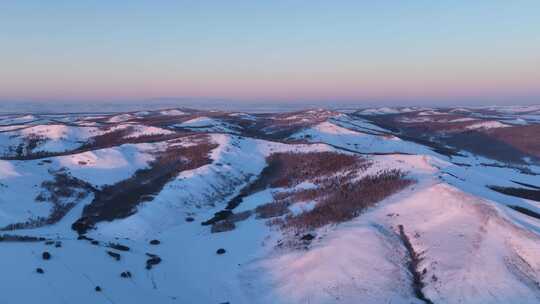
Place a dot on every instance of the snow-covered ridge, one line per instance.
(447, 238)
(487, 125)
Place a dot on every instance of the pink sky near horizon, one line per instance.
(348, 51)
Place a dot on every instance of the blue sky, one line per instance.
(286, 51)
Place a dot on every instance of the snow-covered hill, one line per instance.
(388, 205)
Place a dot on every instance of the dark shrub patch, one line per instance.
(152, 261)
(125, 274)
(40, 270)
(290, 169)
(349, 199)
(155, 242)
(218, 216)
(118, 246)
(518, 192)
(221, 251)
(307, 237)
(83, 237)
(189, 219)
(272, 209)
(222, 226)
(20, 238)
(526, 211)
(114, 255)
(98, 288)
(46, 256)
(240, 216)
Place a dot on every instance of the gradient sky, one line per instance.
(446, 52)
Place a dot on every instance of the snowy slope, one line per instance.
(333, 134)
(447, 238)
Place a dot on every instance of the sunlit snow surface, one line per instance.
(474, 248)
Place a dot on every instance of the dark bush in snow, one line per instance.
(272, 209)
(118, 246)
(20, 238)
(46, 256)
(39, 270)
(307, 237)
(126, 274)
(221, 251)
(114, 255)
(222, 226)
(98, 288)
(218, 216)
(152, 261)
(240, 216)
(155, 242)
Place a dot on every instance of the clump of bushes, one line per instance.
(289, 169)
(152, 260)
(126, 274)
(118, 246)
(228, 223)
(222, 226)
(272, 209)
(20, 238)
(348, 200)
(114, 255)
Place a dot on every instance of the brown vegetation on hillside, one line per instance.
(340, 191)
(120, 200)
(63, 192)
(524, 138)
(339, 202)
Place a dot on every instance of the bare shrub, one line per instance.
(349, 200)
(272, 209)
(241, 216)
(222, 226)
(289, 169)
(20, 238)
